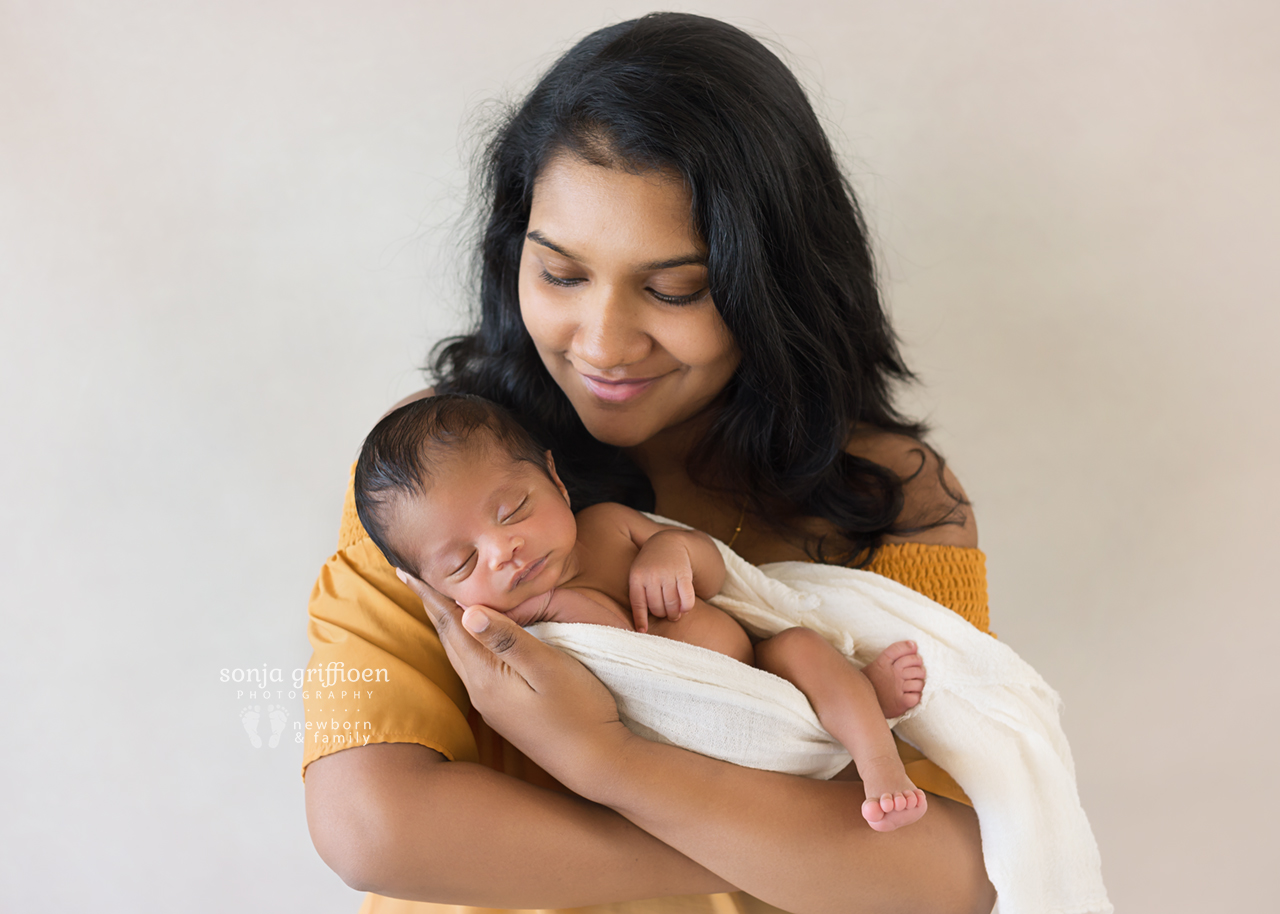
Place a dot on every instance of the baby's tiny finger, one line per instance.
(653, 596)
(684, 586)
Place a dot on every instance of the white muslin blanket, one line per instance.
(985, 716)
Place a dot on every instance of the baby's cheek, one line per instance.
(480, 595)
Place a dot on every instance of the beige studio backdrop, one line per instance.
(230, 231)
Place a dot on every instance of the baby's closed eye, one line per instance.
(463, 571)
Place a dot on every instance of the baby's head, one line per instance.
(454, 491)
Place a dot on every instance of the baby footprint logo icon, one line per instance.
(249, 717)
(277, 716)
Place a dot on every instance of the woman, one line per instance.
(678, 299)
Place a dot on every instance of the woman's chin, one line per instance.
(619, 434)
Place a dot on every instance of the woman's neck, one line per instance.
(666, 453)
(663, 459)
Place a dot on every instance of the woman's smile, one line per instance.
(617, 390)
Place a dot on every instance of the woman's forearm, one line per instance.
(797, 843)
(399, 820)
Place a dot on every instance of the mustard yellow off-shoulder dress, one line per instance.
(380, 675)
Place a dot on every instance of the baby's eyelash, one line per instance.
(463, 567)
(516, 510)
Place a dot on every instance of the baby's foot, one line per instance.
(898, 677)
(892, 800)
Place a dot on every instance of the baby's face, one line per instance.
(489, 530)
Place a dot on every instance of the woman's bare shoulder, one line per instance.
(420, 395)
(932, 492)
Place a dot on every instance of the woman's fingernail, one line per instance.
(404, 578)
(475, 621)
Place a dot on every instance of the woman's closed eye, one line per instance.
(561, 281)
(680, 299)
(568, 282)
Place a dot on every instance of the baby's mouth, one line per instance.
(528, 572)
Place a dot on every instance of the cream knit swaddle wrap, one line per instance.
(985, 716)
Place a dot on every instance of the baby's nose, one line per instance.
(506, 549)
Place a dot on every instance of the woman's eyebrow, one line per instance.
(538, 238)
(686, 260)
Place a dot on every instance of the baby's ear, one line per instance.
(551, 471)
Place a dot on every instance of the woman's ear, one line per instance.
(551, 471)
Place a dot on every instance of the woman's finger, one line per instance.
(507, 641)
(471, 659)
(443, 612)
(536, 696)
(534, 693)
(514, 649)
(436, 604)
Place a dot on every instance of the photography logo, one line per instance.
(272, 712)
(266, 717)
(251, 717)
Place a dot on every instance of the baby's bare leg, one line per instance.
(847, 705)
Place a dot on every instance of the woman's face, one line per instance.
(613, 290)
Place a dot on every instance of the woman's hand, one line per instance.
(787, 840)
(539, 698)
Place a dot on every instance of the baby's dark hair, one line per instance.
(400, 455)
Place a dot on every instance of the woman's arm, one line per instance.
(397, 818)
(935, 509)
(797, 843)
(400, 820)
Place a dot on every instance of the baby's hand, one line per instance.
(662, 579)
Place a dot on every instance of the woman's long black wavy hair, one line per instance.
(788, 262)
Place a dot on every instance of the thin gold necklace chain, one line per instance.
(742, 516)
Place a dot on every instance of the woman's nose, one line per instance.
(609, 333)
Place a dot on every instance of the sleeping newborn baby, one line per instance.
(455, 492)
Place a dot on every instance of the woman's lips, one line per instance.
(616, 391)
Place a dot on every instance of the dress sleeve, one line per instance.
(378, 672)
(954, 576)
